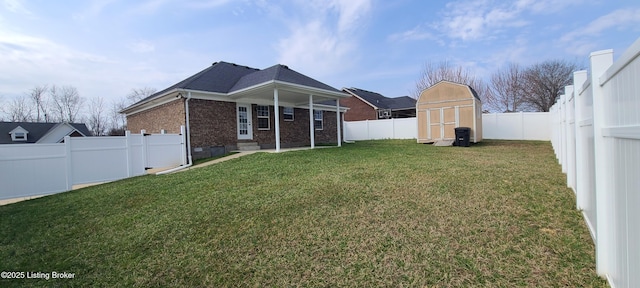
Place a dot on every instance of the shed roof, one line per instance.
(473, 91)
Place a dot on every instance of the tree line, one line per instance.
(513, 88)
(53, 104)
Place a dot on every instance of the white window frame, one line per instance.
(288, 111)
(318, 118)
(259, 110)
(19, 136)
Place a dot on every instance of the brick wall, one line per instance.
(294, 133)
(212, 123)
(213, 126)
(168, 116)
(359, 110)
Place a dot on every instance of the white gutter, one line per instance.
(189, 161)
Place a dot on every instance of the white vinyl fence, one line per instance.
(517, 126)
(400, 128)
(508, 126)
(596, 138)
(38, 169)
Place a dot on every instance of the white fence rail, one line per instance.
(596, 138)
(517, 126)
(38, 169)
(401, 128)
(508, 126)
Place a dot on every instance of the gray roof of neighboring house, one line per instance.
(224, 77)
(382, 102)
(36, 130)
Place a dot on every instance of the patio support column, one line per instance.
(338, 122)
(276, 116)
(311, 126)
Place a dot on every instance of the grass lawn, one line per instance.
(375, 213)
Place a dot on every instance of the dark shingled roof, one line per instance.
(382, 102)
(223, 77)
(36, 130)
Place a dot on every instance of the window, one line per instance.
(19, 136)
(287, 112)
(263, 117)
(317, 119)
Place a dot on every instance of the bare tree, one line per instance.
(97, 119)
(433, 73)
(545, 82)
(138, 94)
(118, 121)
(37, 95)
(67, 102)
(19, 110)
(507, 93)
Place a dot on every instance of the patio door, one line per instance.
(245, 129)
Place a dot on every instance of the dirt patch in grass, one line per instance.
(374, 213)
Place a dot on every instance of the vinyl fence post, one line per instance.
(128, 152)
(145, 160)
(69, 163)
(605, 204)
(582, 181)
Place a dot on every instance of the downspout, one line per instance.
(189, 158)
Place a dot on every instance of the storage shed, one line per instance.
(445, 106)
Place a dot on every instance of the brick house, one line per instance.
(229, 107)
(367, 105)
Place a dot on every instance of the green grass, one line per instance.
(375, 213)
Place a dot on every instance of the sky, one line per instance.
(105, 48)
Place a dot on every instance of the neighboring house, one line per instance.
(367, 105)
(30, 132)
(228, 107)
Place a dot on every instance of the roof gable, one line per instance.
(278, 73)
(36, 130)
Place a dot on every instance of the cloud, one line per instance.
(141, 46)
(94, 9)
(585, 39)
(617, 19)
(479, 19)
(545, 6)
(27, 60)
(16, 6)
(319, 41)
(417, 33)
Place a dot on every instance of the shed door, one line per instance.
(442, 123)
(449, 123)
(434, 125)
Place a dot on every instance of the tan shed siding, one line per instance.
(436, 110)
(358, 110)
(169, 116)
